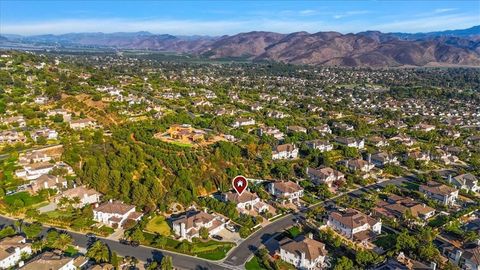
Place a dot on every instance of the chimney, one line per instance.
(369, 158)
(450, 178)
(111, 201)
(433, 265)
(310, 235)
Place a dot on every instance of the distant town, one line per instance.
(125, 160)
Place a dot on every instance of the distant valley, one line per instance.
(364, 49)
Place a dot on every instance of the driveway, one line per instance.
(47, 208)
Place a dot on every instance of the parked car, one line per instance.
(134, 243)
(124, 242)
(217, 237)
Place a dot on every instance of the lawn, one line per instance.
(411, 186)
(212, 250)
(386, 241)
(158, 225)
(254, 264)
(25, 197)
(294, 231)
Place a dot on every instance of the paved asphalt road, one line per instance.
(235, 259)
(141, 253)
(245, 250)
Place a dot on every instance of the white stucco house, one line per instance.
(11, 250)
(303, 253)
(188, 225)
(354, 224)
(115, 213)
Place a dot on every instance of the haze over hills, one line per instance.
(370, 48)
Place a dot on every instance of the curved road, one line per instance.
(142, 253)
(236, 258)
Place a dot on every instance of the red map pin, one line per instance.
(239, 183)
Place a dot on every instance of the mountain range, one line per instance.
(364, 49)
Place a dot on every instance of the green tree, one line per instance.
(137, 235)
(406, 242)
(244, 232)
(98, 252)
(160, 241)
(203, 233)
(33, 230)
(167, 263)
(343, 263)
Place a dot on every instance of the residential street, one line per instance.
(235, 259)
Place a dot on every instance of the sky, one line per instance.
(230, 17)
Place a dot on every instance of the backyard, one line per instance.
(159, 225)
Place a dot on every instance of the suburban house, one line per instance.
(41, 155)
(419, 155)
(189, 224)
(285, 151)
(81, 123)
(466, 181)
(240, 122)
(34, 170)
(444, 156)
(114, 213)
(406, 140)
(55, 260)
(342, 126)
(467, 257)
(397, 207)
(49, 134)
(381, 159)
(359, 165)
(65, 114)
(47, 181)
(377, 141)
(303, 253)
(296, 129)
(34, 157)
(11, 136)
(320, 145)
(287, 190)
(424, 127)
(11, 250)
(354, 224)
(184, 132)
(246, 201)
(271, 131)
(325, 175)
(441, 193)
(323, 129)
(85, 195)
(18, 120)
(351, 142)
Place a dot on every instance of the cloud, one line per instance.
(307, 12)
(234, 26)
(430, 23)
(350, 13)
(443, 10)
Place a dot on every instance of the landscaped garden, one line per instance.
(159, 225)
(211, 249)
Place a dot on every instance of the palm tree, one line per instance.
(99, 252)
(64, 240)
(166, 263)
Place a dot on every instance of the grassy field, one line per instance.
(212, 250)
(158, 225)
(24, 197)
(254, 264)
